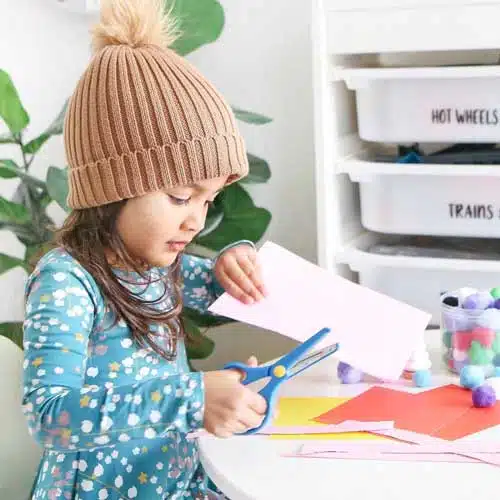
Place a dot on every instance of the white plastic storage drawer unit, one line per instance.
(374, 26)
(427, 104)
(425, 199)
(419, 277)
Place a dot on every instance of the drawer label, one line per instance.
(472, 211)
(465, 116)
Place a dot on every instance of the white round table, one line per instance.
(251, 468)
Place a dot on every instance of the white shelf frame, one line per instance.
(352, 35)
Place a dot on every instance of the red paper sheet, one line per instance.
(470, 421)
(435, 409)
(444, 412)
(374, 405)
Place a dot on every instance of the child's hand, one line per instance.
(230, 407)
(238, 272)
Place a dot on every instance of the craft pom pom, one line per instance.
(483, 396)
(348, 374)
(422, 378)
(471, 376)
(342, 369)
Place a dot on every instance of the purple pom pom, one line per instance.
(342, 369)
(484, 396)
(352, 376)
(479, 300)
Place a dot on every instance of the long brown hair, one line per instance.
(90, 235)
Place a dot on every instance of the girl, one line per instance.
(150, 142)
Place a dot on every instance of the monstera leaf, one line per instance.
(200, 22)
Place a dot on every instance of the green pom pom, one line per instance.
(496, 344)
(480, 356)
(447, 339)
(495, 292)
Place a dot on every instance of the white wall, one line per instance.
(262, 63)
(44, 49)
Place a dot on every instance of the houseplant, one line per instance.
(233, 216)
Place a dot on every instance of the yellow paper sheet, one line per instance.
(301, 411)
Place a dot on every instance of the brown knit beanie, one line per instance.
(142, 118)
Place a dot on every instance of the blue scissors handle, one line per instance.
(277, 373)
(250, 373)
(268, 392)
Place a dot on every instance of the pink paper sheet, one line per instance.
(366, 455)
(377, 333)
(398, 448)
(424, 445)
(347, 426)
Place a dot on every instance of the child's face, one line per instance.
(157, 226)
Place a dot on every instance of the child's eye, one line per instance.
(179, 201)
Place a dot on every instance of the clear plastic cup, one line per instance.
(470, 337)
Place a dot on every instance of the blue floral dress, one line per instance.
(112, 417)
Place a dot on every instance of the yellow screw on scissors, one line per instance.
(286, 367)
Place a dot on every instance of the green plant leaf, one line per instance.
(259, 170)
(41, 224)
(251, 117)
(30, 252)
(9, 170)
(250, 225)
(200, 22)
(13, 331)
(55, 128)
(235, 199)
(34, 145)
(34, 252)
(214, 216)
(242, 220)
(13, 213)
(57, 186)
(8, 262)
(199, 346)
(205, 320)
(12, 111)
(23, 232)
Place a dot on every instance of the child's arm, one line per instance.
(200, 287)
(65, 414)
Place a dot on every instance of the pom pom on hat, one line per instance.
(134, 23)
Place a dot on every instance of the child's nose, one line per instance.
(196, 221)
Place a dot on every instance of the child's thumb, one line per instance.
(252, 361)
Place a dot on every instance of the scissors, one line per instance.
(286, 367)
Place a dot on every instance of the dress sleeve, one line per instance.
(199, 286)
(65, 413)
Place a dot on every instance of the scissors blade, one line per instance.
(312, 358)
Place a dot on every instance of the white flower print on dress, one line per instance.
(81, 383)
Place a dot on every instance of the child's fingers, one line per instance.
(252, 270)
(238, 276)
(233, 289)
